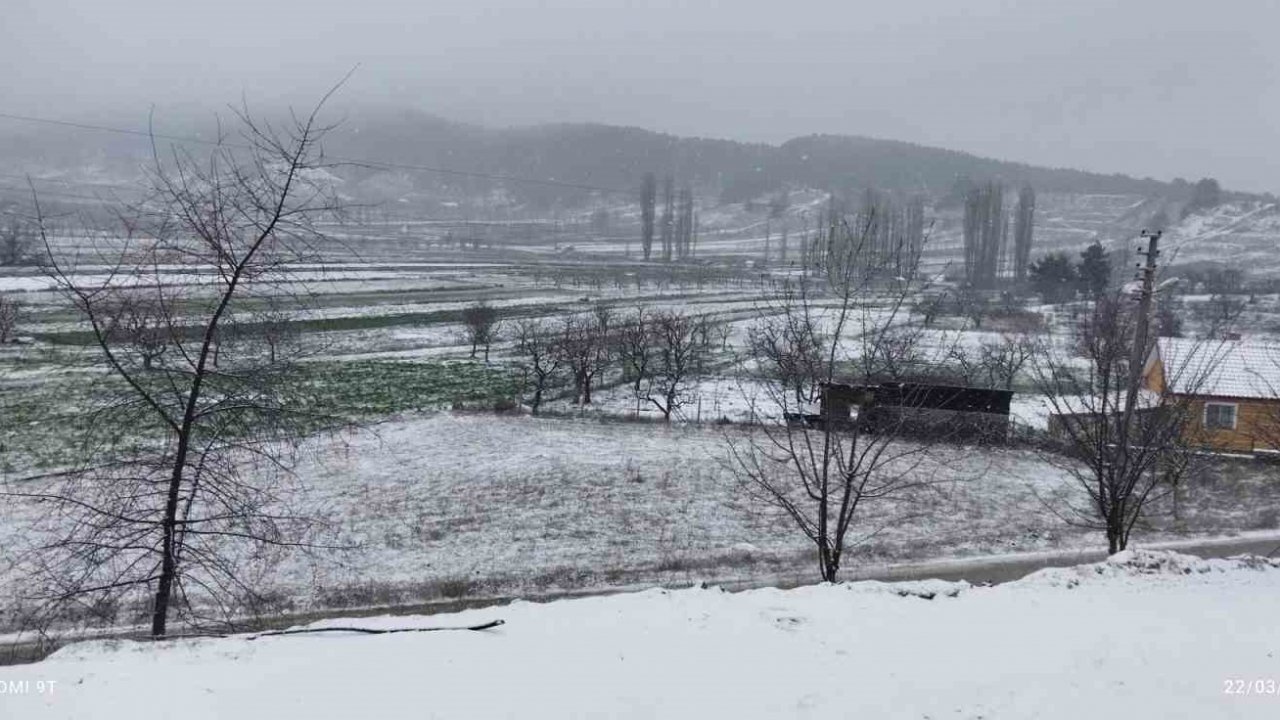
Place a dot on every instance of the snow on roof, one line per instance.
(1224, 368)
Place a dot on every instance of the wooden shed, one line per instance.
(917, 408)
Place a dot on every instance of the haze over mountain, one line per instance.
(588, 154)
(1147, 87)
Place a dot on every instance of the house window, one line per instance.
(1220, 416)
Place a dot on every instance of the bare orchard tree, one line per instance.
(1219, 316)
(1123, 440)
(587, 349)
(480, 324)
(541, 360)
(822, 472)
(188, 483)
(722, 331)
(636, 353)
(994, 363)
(9, 312)
(17, 241)
(787, 338)
(679, 344)
(140, 321)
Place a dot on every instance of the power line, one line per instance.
(341, 160)
(77, 183)
(26, 193)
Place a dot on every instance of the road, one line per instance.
(1000, 569)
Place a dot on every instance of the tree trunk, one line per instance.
(1115, 541)
(164, 589)
(168, 561)
(828, 564)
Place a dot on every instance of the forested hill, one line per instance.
(584, 154)
(616, 157)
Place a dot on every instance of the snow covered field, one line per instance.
(1142, 635)
(452, 505)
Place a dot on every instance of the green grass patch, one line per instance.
(69, 418)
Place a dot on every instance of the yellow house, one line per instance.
(1233, 387)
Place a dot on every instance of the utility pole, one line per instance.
(1147, 275)
(1138, 354)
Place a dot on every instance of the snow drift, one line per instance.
(1143, 634)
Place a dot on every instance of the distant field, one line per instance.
(440, 496)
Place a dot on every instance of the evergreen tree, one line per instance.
(1206, 194)
(1095, 270)
(1053, 277)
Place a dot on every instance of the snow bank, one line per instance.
(1151, 565)
(1031, 649)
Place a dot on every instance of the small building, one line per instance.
(919, 409)
(1233, 387)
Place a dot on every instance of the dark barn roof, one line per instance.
(952, 398)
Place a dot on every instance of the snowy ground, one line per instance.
(461, 504)
(475, 505)
(1144, 635)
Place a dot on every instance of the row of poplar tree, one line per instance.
(677, 228)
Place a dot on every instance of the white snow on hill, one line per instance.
(1241, 234)
(1143, 635)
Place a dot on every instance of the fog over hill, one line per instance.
(592, 155)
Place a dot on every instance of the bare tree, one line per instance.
(684, 224)
(822, 474)
(1219, 316)
(140, 322)
(635, 351)
(273, 328)
(1024, 223)
(723, 330)
(9, 312)
(972, 305)
(17, 240)
(480, 323)
(648, 201)
(929, 307)
(587, 348)
(994, 363)
(985, 230)
(668, 217)
(894, 354)
(680, 341)
(787, 337)
(188, 482)
(541, 360)
(1123, 445)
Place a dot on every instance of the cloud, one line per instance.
(1138, 86)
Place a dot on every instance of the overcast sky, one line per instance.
(1145, 87)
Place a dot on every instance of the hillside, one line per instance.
(616, 157)
(594, 155)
